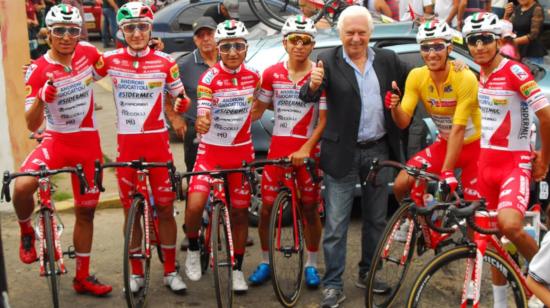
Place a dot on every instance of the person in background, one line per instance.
(446, 10)
(418, 10)
(223, 10)
(379, 6)
(469, 7)
(310, 8)
(109, 29)
(527, 19)
(538, 280)
(507, 46)
(497, 7)
(32, 28)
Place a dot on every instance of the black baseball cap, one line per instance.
(204, 22)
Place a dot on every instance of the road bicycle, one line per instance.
(286, 238)
(48, 225)
(461, 276)
(141, 231)
(394, 255)
(215, 236)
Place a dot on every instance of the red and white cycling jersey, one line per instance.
(228, 95)
(508, 97)
(293, 117)
(73, 108)
(139, 81)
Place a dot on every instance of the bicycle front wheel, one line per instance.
(392, 258)
(440, 283)
(286, 251)
(221, 255)
(135, 249)
(50, 265)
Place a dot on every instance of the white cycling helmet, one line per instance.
(482, 22)
(434, 29)
(134, 12)
(299, 24)
(63, 14)
(230, 29)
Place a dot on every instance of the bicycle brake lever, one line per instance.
(5, 194)
(84, 187)
(98, 176)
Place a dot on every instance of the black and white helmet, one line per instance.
(230, 29)
(63, 14)
(299, 24)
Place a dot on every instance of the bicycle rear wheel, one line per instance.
(221, 254)
(50, 264)
(391, 259)
(280, 14)
(133, 235)
(286, 251)
(440, 283)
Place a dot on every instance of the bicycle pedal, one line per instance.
(70, 252)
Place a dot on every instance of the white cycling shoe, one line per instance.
(175, 283)
(193, 265)
(136, 282)
(239, 283)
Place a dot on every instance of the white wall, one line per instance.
(6, 158)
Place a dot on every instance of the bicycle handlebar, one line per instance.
(469, 212)
(43, 173)
(285, 161)
(142, 165)
(415, 172)
(427, 212)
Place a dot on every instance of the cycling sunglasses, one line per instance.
(60, 31)
(238, 46)
(131, 28)
(437, 47)
(485, 39)
(295, 38)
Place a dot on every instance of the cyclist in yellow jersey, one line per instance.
(450, 97)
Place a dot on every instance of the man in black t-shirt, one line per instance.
(226, 9)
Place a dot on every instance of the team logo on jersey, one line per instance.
(500, 101)
(209, 76)
(519, 72)
(154, 84)
(29, 71)
(528, 88)
(175, 72)
(250, 99)
(448, 89)
(100, 63)
(204, 92)
(28, 90)
(88, 81)
(234, 81)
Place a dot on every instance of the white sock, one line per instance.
(265, 257)
(499, 296)
(312, 258)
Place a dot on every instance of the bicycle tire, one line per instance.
(221, 255)
(264, 17)
(286, 280)
(445, 262)
(278, 15)
(203, 248)
(138, 299)
(51, 264)
(384, 264)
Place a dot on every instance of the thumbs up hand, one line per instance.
(392, 98)
(48, 92)
(202, 126)
(317, 75)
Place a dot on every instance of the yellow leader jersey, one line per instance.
(455, 102)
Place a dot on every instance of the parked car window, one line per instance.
(184, 22)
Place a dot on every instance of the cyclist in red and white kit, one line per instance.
(59, 89)
(140, 76)
(296, 133)
(508, 97)
(225, 94)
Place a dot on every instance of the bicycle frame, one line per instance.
(474, 268)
